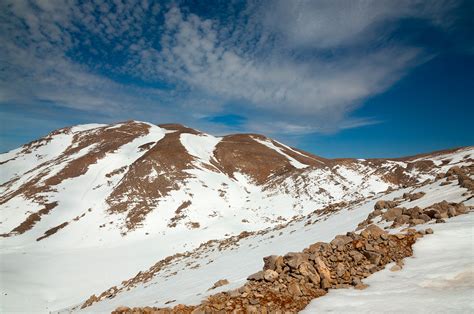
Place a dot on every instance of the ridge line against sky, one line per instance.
(337, 78)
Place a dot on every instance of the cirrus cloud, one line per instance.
(287, 67)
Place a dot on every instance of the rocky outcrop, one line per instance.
(389, 211)
(400, 216)
(288, 283)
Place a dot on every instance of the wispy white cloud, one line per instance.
(292, 67)
(328, 24)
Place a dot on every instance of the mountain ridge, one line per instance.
(154, 191)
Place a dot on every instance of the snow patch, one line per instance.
(295, 163)
(200, 146)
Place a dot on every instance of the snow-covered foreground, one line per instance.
(236, 263)
(438, 278)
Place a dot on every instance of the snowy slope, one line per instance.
(96, 204)
(197, 273)
(439, 278)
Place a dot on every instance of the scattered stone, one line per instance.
(414, 196)
(392, 213)
(395, 268)
(385, 204)
(417, 221)
(122, 309)
(361, 286)
(219, 283)
(257, 276)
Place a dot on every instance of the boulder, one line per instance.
(258, 276)
(219, 283)
(375, 231)
(452, 212)
(340, 270)
(403, 219)
(461, 209)
(307, 270)
(322, 269)
(413, 212)
(395, 268)
(385, 204)
(294, 260)
(467, 184)
(341, 240)
(392, 213)
(425, 217)
(294, 289)
(325, 283)
(270, 275)
(356, 256)
(414, 196)
(373, 257)
(455, 170)
(432, 213)
(361, 286)
(318, 246)
(233, 293)
(273, 262)
(417, 221)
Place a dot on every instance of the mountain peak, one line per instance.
(134, 184)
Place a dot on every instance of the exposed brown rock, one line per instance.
(101, 141)
(241, 153)
(31, 220)
(375, 231)
(179, 215)
(219, 283)
(270, 275)
(414, 196)
(385, 204)
(52, 231)
(167, 155)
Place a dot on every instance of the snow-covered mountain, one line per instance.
(89, 206)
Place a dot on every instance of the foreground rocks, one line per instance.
(400, 216)
(288, 283)
(390, 211)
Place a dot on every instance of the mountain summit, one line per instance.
(107, 201)
(93, 181)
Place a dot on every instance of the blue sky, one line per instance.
(378, 78)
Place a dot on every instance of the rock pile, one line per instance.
(400, 216)
(288, 283)
(389, 211)
(462, 174)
